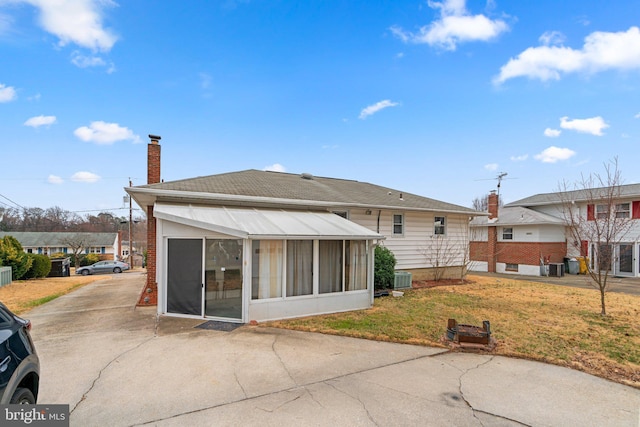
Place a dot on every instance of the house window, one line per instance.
(439, 225)
(602, 211)
(266, 269)
(330, 265)
(511, 267)
(507, 233)
(299, 267)
(398, 225)
(623, 210)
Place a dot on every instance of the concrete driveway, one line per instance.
(119, 366)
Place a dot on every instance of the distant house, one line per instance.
(257, 245)
(520, 236)
(105, 245)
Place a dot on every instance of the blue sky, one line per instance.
(433, 98)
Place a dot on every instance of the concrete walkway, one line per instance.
(119, 366)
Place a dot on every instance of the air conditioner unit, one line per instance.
(401, 280)
(556, 270)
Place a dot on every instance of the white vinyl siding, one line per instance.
(418, 233)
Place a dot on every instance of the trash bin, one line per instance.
(574, 266)
(582, 261)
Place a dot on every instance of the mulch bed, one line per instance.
(421, 284)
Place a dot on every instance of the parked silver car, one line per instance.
(103, 267)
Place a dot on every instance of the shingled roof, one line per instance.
(625, 191)
(60, 239)
(256, 186)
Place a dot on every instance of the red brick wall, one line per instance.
(530, 252)
(149, 295)
(518, 252)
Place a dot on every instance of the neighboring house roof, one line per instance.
(510, 216)
(264, 188)
(60, 239)
(584, 195)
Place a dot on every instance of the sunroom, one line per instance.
(241, 264)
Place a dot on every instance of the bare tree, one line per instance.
(481, 204)
(597, 216)
(76, 242)
(443, 253)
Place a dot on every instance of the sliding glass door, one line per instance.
(223, 278)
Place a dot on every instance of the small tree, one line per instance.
(12, 255)
(40, 266)
(76, 242)
(604, 225)
(384, 268)
(442, 253)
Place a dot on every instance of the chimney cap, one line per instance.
(154, 137)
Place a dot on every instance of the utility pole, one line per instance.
(130, 235)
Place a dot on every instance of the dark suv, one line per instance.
(19, 364)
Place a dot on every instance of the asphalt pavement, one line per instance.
(117, 365)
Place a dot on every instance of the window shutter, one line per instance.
(590, 213)
(584, 248)
(636, 210)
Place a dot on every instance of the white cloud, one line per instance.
(35, 97)
(601, 51)
(552, 133)
(552, 38)
(637, 116)
(594, 125)
(455, 25)
(491, 166)
(521, 158)
(84, 176)
(7, 93)
(53, 179)
(554, 154)
(276, 167)
(82, 61)
(38, 121)
(103, 133)
(76, 21)
(372, 109)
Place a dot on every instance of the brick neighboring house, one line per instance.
(518, 236)
(516, 240)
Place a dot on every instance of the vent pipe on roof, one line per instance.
(306, 175)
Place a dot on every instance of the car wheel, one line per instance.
(117, 270)
(85, 272)
(23, 396)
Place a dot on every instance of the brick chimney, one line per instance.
(149, 295)
(492, 204)
(153, 160)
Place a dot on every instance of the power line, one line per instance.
(5, 197)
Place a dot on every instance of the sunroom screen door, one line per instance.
(184, 276)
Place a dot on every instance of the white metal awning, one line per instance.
(264, 223)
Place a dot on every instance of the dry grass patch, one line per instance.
(22, 295)
(553, 324)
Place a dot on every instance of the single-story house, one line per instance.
(521, 235)
(105, 245)
(258, 245)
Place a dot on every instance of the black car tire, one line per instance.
(85, 272)
(23, 396)
(117, 270)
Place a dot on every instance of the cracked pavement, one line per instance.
(119, 366)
